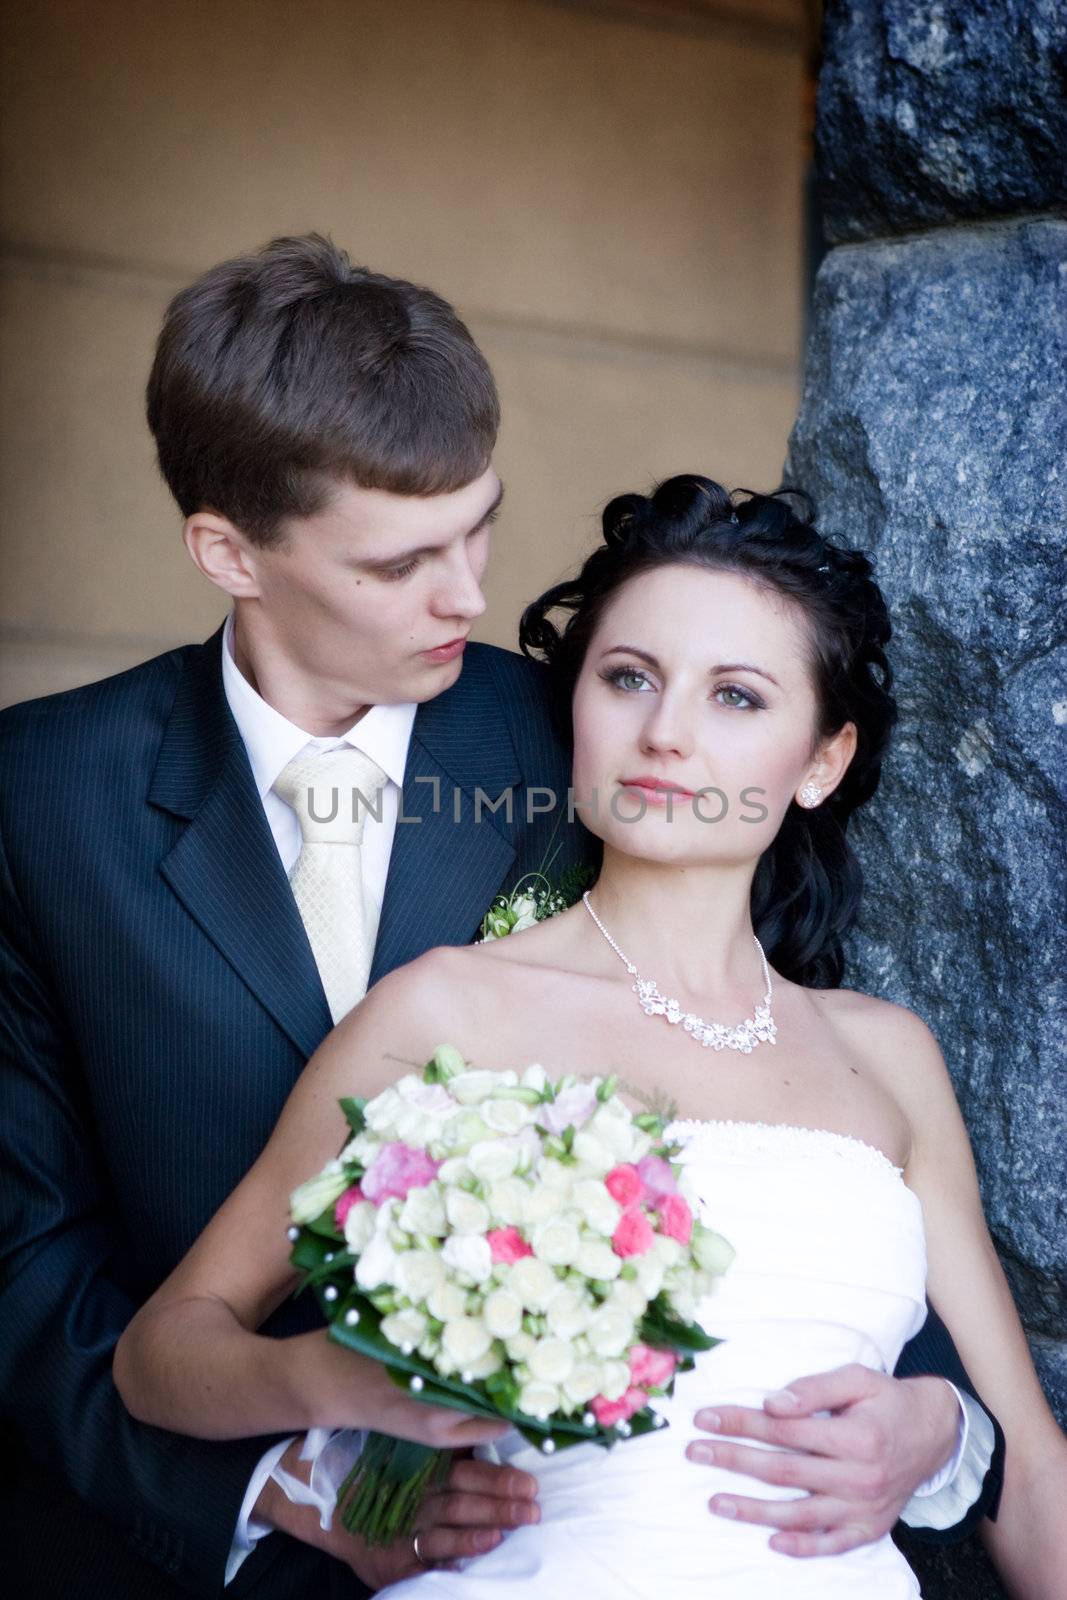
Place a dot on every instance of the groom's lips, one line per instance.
(447, 652)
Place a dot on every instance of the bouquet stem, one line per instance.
(380, 1498)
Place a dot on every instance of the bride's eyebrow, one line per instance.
(722, 666)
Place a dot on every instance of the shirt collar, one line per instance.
(383, 732)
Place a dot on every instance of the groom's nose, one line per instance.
(459, 593)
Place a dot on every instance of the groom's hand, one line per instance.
(858, 1466)
(477, 1504)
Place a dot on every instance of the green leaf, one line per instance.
(354, 1113)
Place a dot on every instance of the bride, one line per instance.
(722, 669)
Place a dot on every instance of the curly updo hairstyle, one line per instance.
(808, 884)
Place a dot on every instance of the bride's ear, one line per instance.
(829, 768)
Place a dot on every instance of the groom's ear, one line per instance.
(223, 553)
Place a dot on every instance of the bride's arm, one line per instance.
(1028, 1541)
(191, 1360)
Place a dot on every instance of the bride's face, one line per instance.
(694, 717)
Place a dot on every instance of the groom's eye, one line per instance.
(394, 574)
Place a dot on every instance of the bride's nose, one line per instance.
(667, 728)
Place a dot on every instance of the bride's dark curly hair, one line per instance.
(808, 884)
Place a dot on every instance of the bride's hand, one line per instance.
(335, 1388)
(859, 1466)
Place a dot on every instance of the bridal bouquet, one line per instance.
(511, 1247)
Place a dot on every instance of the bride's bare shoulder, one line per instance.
(889, 1037)
(442, 997)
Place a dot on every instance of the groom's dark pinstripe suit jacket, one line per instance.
(160, 999)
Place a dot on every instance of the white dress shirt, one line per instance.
(384, 734)
(271, 740)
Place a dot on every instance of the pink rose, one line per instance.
(609, 1412)
(676, 1219)
(652, 1368)
(350, 1198)
(657, 1177)
(396, 1169)
(634, 1234)
(625, 1185)
(507, 1245)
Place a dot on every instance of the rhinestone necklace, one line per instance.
(758, 1029)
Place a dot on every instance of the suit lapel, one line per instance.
(225, 868)
(447, 866)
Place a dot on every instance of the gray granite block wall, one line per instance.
(933, 433)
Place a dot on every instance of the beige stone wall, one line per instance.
(608, 189)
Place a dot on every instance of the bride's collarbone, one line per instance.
(818, 1074)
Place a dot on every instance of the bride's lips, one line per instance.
(655, 790)
(447, 652)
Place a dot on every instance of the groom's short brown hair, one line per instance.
(279, 374)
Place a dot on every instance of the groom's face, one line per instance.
(371, 599)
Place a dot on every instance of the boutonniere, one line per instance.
(534, 899)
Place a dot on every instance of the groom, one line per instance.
(327, 433)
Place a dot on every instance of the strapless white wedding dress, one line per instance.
(830, 1268)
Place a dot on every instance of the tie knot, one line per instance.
(332, 793)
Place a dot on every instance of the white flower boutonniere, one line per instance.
(534, 899)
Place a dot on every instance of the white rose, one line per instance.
(465, 1339)
(539, 1400)
(712, 1251)
(613, 1379)
(377, 1265)
(446, 1302)
(406, 1327)
(610, 1330)
(363, 1148)
(650, 1273)
(461, 1131)
(469, 1254)
(582, 1384)
(554, 1174)
(540, 1204)
(415, 1128)
(505, 1116)
(424, 1211)
(471, 1087)
(507, 1201)
(502, 1314)
(551, 1361)
(418, 1274)
(484, 1366)
(534, 1077)
(683, 1301)
(381, 1113)
(492, 1159)
(465, 1212)
(556, 1241)
(569, 1313)
(454, 1171)
(312, 1198)
(533, 1282)
(599, 1211)
(596, 1259)
(519, 1346)
(630, 1295)
(359, 1226)
(667, 1250)
(594, 1155)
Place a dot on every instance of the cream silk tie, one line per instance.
(331, 792)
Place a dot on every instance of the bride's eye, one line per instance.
(628, 679)
(749, 701)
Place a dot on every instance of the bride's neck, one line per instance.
(689, 928)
